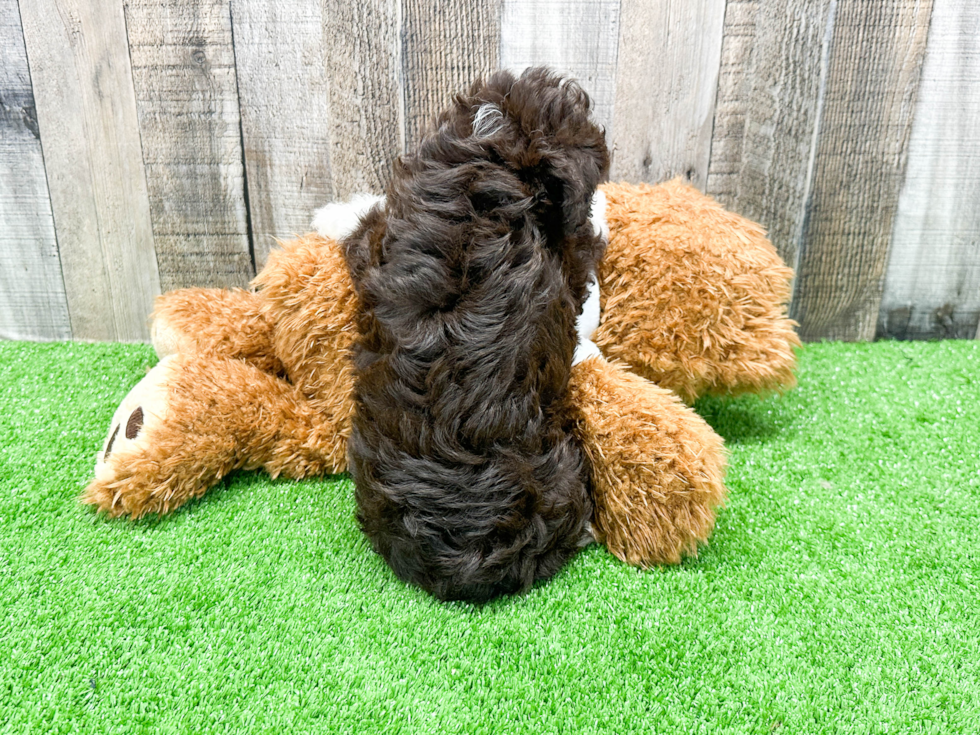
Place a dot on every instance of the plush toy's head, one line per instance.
(693, 296)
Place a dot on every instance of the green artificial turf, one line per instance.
(839, 592)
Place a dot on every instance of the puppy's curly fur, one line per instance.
(469, 482)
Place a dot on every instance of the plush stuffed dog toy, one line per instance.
(692, 301)
(450, 343)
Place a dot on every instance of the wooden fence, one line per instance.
(147, 145)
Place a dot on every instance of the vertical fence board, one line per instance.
(285, 115)
(445, 47)
(184, 72)
(167, 142)
(932, 286)
(33, 303)
(766, 113)
(871, 87)
(575, 37)
(666, 80)
(362, 54)
(86, 109)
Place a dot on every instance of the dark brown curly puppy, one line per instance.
(469, 482)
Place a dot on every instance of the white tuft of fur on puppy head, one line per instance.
(487, 121)
(339, 219)
(598, 215)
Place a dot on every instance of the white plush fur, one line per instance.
(598, 215)
(586, 324)
(339, 219)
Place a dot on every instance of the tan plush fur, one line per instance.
(227, 406)
(693, 296)
(308, 294)
(657, 467)
(219, 415)
(210, 321)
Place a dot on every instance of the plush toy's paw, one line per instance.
(119, 486)
(657, 467)
(191, 422)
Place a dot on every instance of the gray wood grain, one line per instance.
(363, 62)
(666, 80)
(859, 166)
(86, 109)
(184, 75)
(445, 47)
(773, 68)
(33, 303)
(575, 37)
(282, 87)
(932, 285)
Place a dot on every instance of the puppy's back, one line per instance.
(468, 481)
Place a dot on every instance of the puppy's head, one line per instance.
(538, 126)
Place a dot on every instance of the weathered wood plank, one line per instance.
(33, 303)
(86, 109)
(445, 47)
(184, 74)
(282, 86)
(773, 62)
(666, 80)
(575, 37)
(932, 285)
(859, 166)
(363, 57)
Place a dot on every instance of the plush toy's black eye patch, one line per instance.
(112, 440)
(135, 423)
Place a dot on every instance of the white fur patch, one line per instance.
(339, 219)
(588, 320)
(598, 214)
(487, 121)
(587, 323)
(585, 350)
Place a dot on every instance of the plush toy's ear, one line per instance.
(657, 468)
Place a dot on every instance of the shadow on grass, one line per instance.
(741, 420)
(221, 493)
